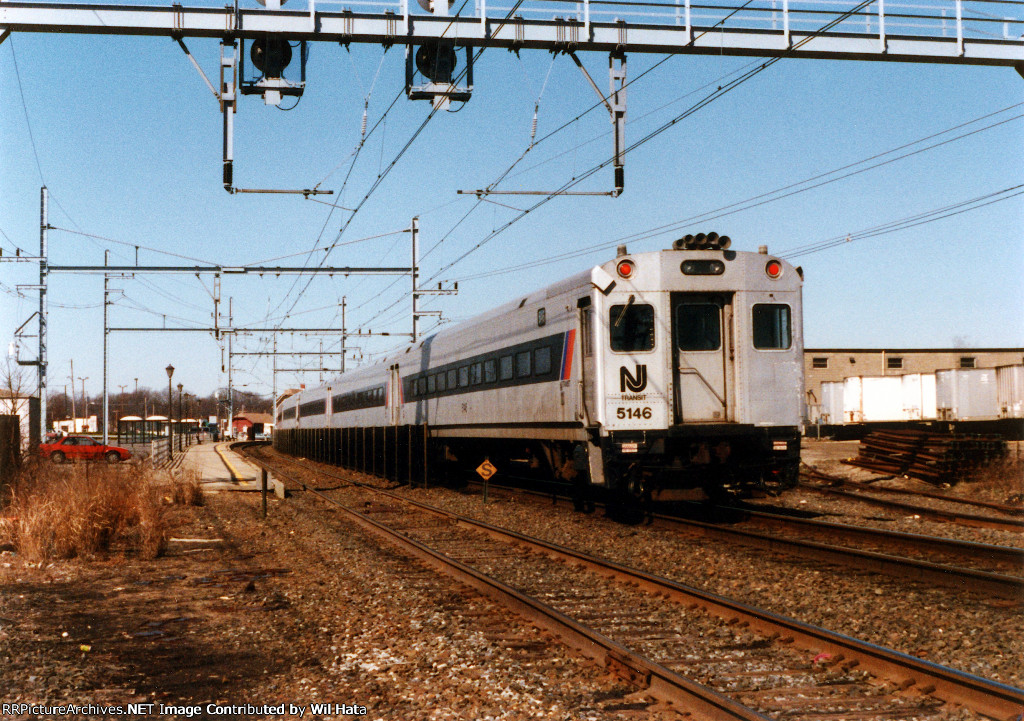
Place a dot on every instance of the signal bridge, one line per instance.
(982, 32)
(977, 32)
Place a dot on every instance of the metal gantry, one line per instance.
(980, 32)
(110, 272)
(972, 32)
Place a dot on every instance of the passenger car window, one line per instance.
(476, 372)
(441, 384)
(631, 327)
(453, 380)
(523, 364)
(698, 326)
(506, 367)
(490, 371)
(463, 376)
(542, 361)
(772, 329)
(431, 384)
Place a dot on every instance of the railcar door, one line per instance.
(394, 397)
(702, 356)
(588, 367)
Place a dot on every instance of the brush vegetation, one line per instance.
(84, 510)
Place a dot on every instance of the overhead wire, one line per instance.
(385, 172)
(772, 195)
(911, 221)
(704, 102)
(576, 180)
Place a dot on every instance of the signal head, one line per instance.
(436, 62)
(271, 55)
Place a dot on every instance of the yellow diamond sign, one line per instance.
(486, 470)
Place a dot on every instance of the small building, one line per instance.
(250, 425)
(13, 403)
(77, 425)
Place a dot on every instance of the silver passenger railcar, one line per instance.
(677, 368)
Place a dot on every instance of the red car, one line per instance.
(70, 448)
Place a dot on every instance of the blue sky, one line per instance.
(128, 140)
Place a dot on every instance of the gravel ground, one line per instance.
(299, 610)
(964, 630)
(294, 610)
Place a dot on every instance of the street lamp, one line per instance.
(120, 412)
(180, 386)
(85, 404)
(170, 428)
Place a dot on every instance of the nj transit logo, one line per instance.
(628, 383)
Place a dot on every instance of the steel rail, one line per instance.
(1005, 586)
(984, 696)
(956, 577)
(964, 549)
(865, 488)
(932, 514)
(660, 682)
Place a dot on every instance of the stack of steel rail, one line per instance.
(932, 457)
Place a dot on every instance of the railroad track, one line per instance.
(706, 654)
(1015, 525)
(956, 500)
(942, 561)
(819, 481)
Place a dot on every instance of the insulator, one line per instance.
(362, 130)
(533, 127)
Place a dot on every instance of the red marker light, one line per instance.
(773, 269)
(626, 268)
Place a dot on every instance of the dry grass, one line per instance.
(82, 511)
(187, 491)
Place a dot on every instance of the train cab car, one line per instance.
(679, 368)
(698, 377)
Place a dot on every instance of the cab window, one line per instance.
(772, 328)
(698, 326)
(631, 327)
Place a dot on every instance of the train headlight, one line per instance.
(773, 269)
(626, 269)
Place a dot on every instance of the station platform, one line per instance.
(218, 468)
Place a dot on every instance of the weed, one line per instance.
(187, 491)
(67, 512)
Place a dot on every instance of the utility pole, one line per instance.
(43, 227)
(85, 401)
(106, 349)
(274, 376)
(416, 290)
(231, 392)
(74, 410)
(343, 335)
(415, 231)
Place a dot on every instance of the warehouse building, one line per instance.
(835, 364)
